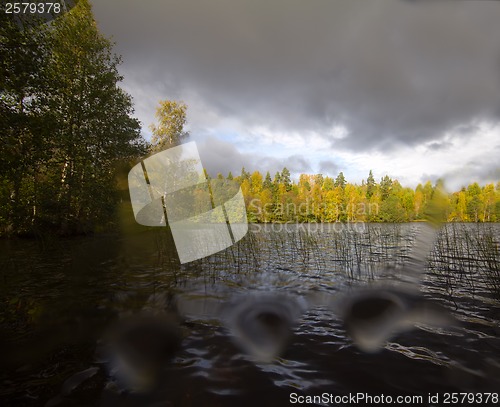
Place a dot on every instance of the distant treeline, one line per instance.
(318, 198)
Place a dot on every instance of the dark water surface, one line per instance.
(58, 298)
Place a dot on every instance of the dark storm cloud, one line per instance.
(487, 171)
(328, 168)
(392, 73)
(436, 146)
(220, 156)
(467, 129)
(298, 164)
(295, 164)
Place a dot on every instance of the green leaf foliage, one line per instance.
(318, 198)
(66, 124)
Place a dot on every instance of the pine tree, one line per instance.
(285, 179)
(268, 182)
(385, 187)
(340, 180)
(245, 175)
(370, 185)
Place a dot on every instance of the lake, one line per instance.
(60, 298)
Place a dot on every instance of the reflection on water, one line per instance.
(63, 301)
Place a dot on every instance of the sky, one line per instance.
(410, 89)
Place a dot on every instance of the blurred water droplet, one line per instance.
(262, 323)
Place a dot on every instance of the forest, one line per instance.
(69, 138)
(318, 198)
(65, 124)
